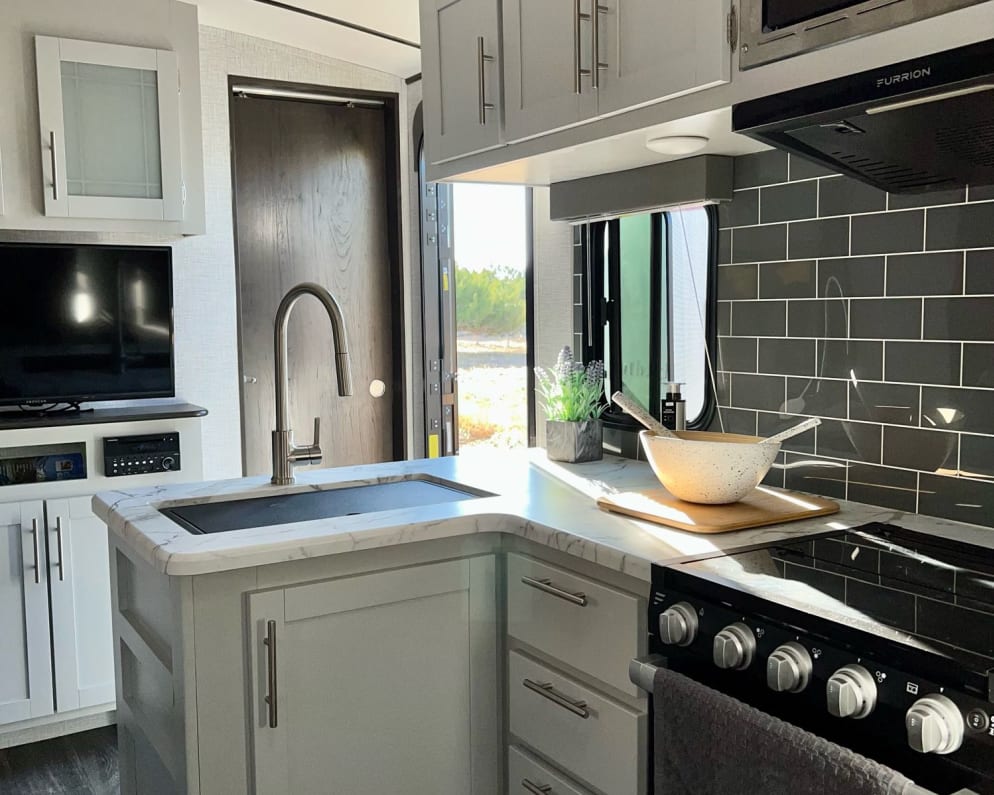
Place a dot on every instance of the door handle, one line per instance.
(34, 543)
(546, 690)
(55, 165)
(578, 70)
(595, 36)
(481, 59)
(271, 696)
(58, 537)
(577, 598)
(535, 789)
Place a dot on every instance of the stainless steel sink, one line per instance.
(220, 517)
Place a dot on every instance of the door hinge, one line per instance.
(183, 192)
(732, 28)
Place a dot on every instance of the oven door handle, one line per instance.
(642, 670)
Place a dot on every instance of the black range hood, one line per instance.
(916, 126)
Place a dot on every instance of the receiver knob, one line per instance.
(852, 693)
(734, 647)
(168, 463)
(788, 668)
(935, 725)
(678, 625)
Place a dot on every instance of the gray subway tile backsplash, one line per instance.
(845, 196)
(828, 237)
(923, 362)
(874, 312)
(788, 202)
(792, 279)
(851, 277)
(888, 233)
(962, 319)
(938, 273)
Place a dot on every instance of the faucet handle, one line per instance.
(317, 432)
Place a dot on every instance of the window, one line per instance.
(648, 313)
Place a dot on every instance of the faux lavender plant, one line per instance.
(571, 391)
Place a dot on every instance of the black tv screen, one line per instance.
(85, 323)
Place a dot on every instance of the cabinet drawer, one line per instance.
(599, 637)
(526, 775)
(599, 741)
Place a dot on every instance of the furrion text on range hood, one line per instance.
(912, 127)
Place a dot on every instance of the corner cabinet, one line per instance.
(109, 130)
(383, 682)
(461, 65)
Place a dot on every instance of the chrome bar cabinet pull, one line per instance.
(55, 165)
(58, 536)
(535, 789)
(577, 598)
(546, 690)
(34, 542)
(595, 35)
(481, 59)
(271, 697)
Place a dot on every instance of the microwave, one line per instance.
(771, 30)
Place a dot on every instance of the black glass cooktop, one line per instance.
(925, 592)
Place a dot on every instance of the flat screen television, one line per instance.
(85, 323)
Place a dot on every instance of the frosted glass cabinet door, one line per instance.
(109, 119)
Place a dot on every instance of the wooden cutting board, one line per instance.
(764, 506)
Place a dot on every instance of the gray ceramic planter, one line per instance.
(574, 442)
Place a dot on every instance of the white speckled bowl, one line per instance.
(708, 468)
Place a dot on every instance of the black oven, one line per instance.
(774, 29)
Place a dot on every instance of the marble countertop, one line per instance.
(543, 501)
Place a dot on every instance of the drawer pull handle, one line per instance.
(546, 690)
(545, 585)
(535, 789)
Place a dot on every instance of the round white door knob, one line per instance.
(852, 693)
(734, 647)
(678, 624)
(377, 388)
(935, 725)
(788, 668)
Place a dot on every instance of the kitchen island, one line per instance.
(383, 651)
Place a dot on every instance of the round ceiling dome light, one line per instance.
(677, 144)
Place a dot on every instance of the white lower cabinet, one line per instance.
(54, 608)
(26, 651)
(527, 774)
(382, 682)
(82, 636)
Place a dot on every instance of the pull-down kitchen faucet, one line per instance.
(285, 453)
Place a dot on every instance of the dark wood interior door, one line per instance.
(313, 198)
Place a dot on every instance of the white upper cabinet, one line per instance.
(109, 130)
(547, 76)
(658, 50)
(461, 66)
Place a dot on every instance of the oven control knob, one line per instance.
(678, 625)
(788, 669)
(852, 692)
(935, 725)
(734, 647)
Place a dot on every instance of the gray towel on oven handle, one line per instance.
(708, 743)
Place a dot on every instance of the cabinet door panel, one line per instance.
(455, 122)
(81, 608)
(655, 51)
(26, 653)
(540, 66)
(385, 683)
(109, 130)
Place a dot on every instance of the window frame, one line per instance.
(598, 311)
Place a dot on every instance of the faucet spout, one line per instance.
(285, 452)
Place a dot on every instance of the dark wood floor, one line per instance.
(81, 764)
